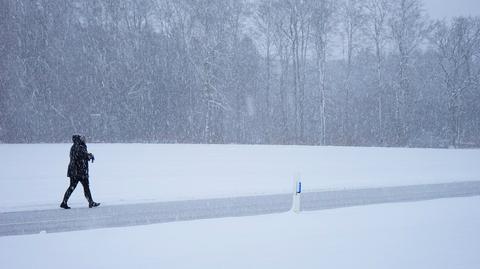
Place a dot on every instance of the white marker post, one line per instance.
(297, 193)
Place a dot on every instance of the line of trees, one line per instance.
(317, 72)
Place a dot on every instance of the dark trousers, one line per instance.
(73, 184)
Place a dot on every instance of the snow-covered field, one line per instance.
(430, 234)
(34, 176)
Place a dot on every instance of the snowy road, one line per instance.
(30, 222)
(365, 196)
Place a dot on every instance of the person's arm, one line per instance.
(91, 157)
(82, 153)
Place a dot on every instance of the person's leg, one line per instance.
(86, 190)
(68, 192)
(88, 194)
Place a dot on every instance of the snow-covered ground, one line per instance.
(34, 176)
(430, 234)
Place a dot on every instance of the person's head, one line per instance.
(79, 139)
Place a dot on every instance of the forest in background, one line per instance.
(307, 72)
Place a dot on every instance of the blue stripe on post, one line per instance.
(299, 187)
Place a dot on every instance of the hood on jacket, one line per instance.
(77, 139)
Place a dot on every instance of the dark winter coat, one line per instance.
(79, 157)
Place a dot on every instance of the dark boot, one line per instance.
(64, 205)
(93, 204)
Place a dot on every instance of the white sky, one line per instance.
(439, 9)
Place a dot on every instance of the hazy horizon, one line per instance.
(448, 9)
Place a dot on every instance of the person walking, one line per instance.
(78, 170)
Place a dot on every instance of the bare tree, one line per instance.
(409, 26)
(298, 33)
(456, 46)
(352, 20)
(265, 24)
(282, 43)
(322, 27)
(376, 32)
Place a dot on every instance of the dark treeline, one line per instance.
(319, 72)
